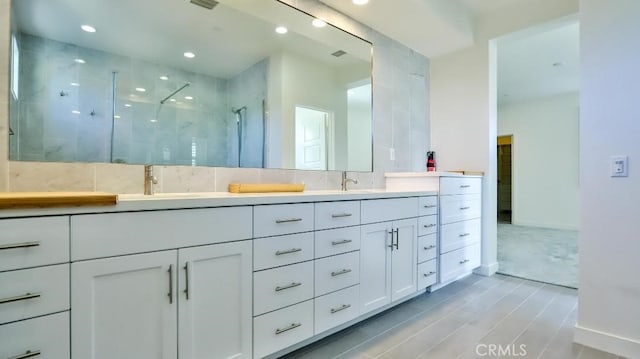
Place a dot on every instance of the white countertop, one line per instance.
(161, 201)
(426, 174)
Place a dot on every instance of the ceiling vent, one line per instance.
(339, 53)
(207, 4)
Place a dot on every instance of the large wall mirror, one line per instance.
(235, 83)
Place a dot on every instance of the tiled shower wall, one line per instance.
(400, 115)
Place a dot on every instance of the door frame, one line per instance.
(329, 133)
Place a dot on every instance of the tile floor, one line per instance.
(463, 317)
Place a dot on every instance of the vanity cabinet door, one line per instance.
(215, 301)
(125, 307)
(404, 259)
(375, 266)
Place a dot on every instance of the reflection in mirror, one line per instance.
(248, 83)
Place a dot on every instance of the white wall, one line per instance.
(609, 296)
(545, 160)
(463, 106)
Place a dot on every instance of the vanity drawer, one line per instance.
(460, 185)
(460, 208)
(427, 205)
(336, 308)
(32, 242)
(460, 234)
(427, 274)
(277, 219)
(336, 241)
(382, 210)
(280, 287)
(459, 262)
(337, 214)
(32, 292)
(282, 250)
(427, 247)
(337, 272)
(280, 329)
(112, 234)
(47, 335)
(427, 225)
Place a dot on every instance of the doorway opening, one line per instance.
(504, 178)
(313, 139)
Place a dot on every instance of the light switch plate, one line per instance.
(619, 166)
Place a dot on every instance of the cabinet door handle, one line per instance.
(186, 282)
(341, 215)
(287, 220)
(340, 272)
(292, 326)
(340, 308)
(170, 294)
(465, 185)
(391, 232)
(430, 205)
(20, 298)
(292, 285)
(465, 234)
(27, 354)
(429, 274)
(19, 245)
(289, 251)
(429, 225)
(464, 208)
(464, 261)
(429, 247)
(397, 239)
(344, 241)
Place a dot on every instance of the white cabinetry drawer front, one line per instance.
(337, 214)
(381, 210)
(280, 329)
(460, 208)
(460, 185)
(459, 234)
(427, 225)
(459, 262)
(336, 241)
(31, 242)
(334, 273)
(112, 234)
(427, 274)
(336, 308)
(277, 219)
(428, 205)
(280, 287)
(427, 247)
(47, 336)
(32, 292)
(282, 250)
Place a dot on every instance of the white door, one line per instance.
(125, 307)
(215, 301)
(311, 139)
(404, 259)
(375, 266)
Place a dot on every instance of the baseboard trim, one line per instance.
(487, 270)
(607, 342)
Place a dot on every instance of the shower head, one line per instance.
(207, 4)
(238, 110)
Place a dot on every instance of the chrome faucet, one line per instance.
(346, 180)
(149, 179)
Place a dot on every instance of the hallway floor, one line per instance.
(546, 255)
(459, 320)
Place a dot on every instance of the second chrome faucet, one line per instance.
(346, 180)
(149, 180)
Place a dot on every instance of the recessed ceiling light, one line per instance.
(173, 100)
(281, 30)
(318, 23)
(360, 2)
(88, 28)
(127, 105)
(80, 61)
(153, 120)
(74, 84)
(141, 89)
(188, 98)
(116, 116)
(75, 112)
(164, 78)
(189, 55)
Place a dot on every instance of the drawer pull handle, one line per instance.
(429, 274)
(429, 247)
(27, 354)
(20, 298)
(19, 245)
(288, 220)
(344, 241)
(170, 294)
(341, 272)
(292, 285)
(289, 251)
(292, 326)
(341, 215)
(465, 234)
(465, 261)
(340, 308)
(465, 185)
(429, 225)
(464, 208)
(430, 206)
